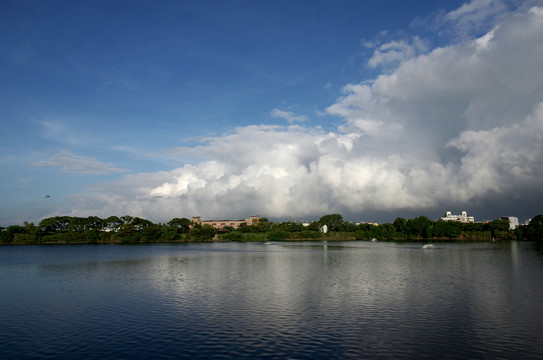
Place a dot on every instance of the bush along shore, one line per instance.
(128, 229)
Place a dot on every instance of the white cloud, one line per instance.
(497, 157)
(395, 52)
(76, 164)
(457, 125)
(476, 11)
(476, 97)
(476, 15)
(288, 115)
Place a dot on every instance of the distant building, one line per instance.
(513, 221)
(368, 223)
(219, 224)
(464, 218)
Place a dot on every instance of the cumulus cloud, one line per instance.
(457, 125)
(76, 164)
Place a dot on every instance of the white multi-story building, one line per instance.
(513, 221)
(464, 218)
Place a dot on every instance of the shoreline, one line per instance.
(293, 240)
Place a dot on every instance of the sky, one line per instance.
(286, 109)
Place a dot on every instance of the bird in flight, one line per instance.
(47, 196)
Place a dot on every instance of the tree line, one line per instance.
(129, 229)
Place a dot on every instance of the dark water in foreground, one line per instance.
(348, 300)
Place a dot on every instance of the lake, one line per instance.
(307, 300)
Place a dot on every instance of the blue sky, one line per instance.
(287, 109)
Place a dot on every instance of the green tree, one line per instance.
(232, 236)
(420, 227)
(30, 228)
(534, 230)
(387, 231)
(361, 235)
(314, 226)
(94, 223)
(113, 222)
(127, 233)
(171, 233)
(151, 232)
(449, 229)
(367, 231)
(92, 236)
(332, 221)
(203, 233)
(309, 234)
(181, 223)
(400, 226)
(126, 219)
(8, 235)
(262, 226)
(140, 223)
(498, 228)
(54, 224)
(277, 235)
(291, 226)
(348, 226)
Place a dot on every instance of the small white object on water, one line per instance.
(428, 246)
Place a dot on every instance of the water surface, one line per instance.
(311, 300)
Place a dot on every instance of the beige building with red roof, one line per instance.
(219, 224)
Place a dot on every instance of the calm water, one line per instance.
(348, 300)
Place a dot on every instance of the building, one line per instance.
(219, 224)
(513, 221)
(464, 218)
(368, 223)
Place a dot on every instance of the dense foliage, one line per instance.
(128, 229)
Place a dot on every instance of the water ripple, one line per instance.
(297, 301)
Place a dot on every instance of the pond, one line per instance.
(306, 300)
